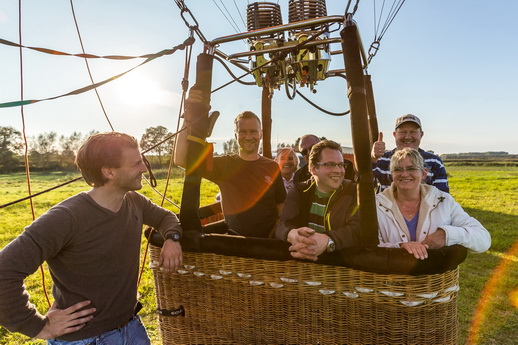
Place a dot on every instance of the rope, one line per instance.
(80, 55)
(26, 150)
(88, 66)
(394, 10)
(160, 193)
(240, 15)
(39, 193)
(152, 184)
(233, 23)
(355, 7)
(189, 41)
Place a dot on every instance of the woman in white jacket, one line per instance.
(417, 217)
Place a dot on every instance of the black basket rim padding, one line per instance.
(370, 259)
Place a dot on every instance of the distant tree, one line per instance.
(153, 136)
(44, 151)
(10, 146)
(296, 145)
(68, 147)
(281, 145)
(230, 147)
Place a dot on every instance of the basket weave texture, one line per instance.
(236, 300)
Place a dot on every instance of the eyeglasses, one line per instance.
(409, 170)
(332, 165)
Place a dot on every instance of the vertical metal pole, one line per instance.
(266, 119)
(196, 151)
(371, 109)
(360, 134)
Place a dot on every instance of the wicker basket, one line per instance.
(224, 299)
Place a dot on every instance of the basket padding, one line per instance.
(370, 259)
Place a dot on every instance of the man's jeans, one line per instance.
(132, 333)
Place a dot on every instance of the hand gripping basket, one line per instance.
(248, 291)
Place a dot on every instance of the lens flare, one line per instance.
(484, 302)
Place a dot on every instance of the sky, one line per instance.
(452, 63)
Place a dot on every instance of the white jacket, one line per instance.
(438, 210)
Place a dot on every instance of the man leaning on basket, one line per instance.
(91, 243)
(320, 215)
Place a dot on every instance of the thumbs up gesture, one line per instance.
(378, 148)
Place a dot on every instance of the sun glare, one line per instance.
(139, 90)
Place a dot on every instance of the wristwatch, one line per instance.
(175, 236)
(331, 246)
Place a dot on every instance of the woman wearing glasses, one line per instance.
(417, 217)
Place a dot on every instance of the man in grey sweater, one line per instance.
(91, 243)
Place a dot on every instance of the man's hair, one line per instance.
(316, 152)
(308, 136)
(102, 150)
(245, 115)
(285, 152)
(413, 154)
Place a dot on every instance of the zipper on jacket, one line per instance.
(327, 216)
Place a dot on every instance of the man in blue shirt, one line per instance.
(408, 133)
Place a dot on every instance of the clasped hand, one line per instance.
(306, 243)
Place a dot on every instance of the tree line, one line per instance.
(50, 151)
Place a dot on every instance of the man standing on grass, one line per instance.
(91, 243)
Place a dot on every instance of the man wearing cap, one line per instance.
(408, 133)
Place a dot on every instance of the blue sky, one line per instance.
(452, 63)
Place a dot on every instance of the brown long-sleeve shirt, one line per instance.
(92, 253)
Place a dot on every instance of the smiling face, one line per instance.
(328, 179)
(248, 135)
(128, 176)
(288, 163)
(407, 176)
(408, 134)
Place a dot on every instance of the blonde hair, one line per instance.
(413, 154)
(285, 152)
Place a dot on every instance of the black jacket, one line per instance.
(341, 217)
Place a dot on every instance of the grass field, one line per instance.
(488, 299)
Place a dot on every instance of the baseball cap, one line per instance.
(408, 118)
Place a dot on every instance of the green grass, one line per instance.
(491, 195)
(488, 193)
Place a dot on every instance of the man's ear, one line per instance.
(312, 169)
(107, 173)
